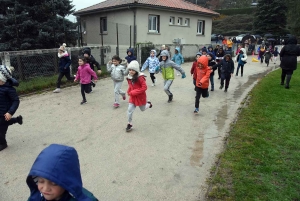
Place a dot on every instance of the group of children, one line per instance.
(267, 54)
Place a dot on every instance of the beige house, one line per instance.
(128, 22)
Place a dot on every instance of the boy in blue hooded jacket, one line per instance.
(178, 58)
(55, 175)
(130, 56)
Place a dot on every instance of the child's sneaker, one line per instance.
(196, 111)
(83, 102)
(20, 119)
(116, 105)
(93, 84)
(57, 90)
(221, 87)
(150, 104)
(153, 85)
(128, 128)
(225, 90)
(124, 97)
(2, 146)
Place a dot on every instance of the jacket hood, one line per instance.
(153, 51)
(165, 53)
(59, 164)
(178, 49)
(203, 60)
(228, 55)
(12, 82)
(131, 50)
(292, 40)
(124, 62)
(244, 51)
(210, 47)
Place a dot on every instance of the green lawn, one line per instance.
(261, 160)
(39, 84)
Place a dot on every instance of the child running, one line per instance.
(211, 62)
(136, 91)
(55, 175)
(84, 74)
(118, 70)
(194, 69)
(152, 62)
(9, 103)
(202, 81)
(227, 69)
(275, 54)
(241, 58)
(178, 58)
(167, 68)
(268, 56)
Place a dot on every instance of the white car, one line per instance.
(240, 37)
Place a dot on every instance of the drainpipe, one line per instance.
(134, 25)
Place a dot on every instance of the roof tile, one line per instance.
(176, 4)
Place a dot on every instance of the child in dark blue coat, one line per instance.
(55, 175)
(130, 56)
(64, 67)
(9, 103)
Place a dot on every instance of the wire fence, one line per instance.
(36, 63)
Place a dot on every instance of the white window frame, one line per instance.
(200, 24)
(179, 21)
(153, 23)
(186, 22)
(172, 20)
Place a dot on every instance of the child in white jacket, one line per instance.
(118, 70)
(152, 62)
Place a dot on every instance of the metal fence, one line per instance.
(36, 63)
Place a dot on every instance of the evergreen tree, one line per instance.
(271, 16)
(31, 24)
(294, 17)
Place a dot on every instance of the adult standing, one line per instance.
(288, 57)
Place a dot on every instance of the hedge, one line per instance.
(235, 11)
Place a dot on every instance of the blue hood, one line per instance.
(59, 164)
(178, 49)
(130, 50)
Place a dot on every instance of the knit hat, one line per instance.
(63, 47)
(5, 73)
(204, 49)
(211, 55)
(199, 53)
(134, 65)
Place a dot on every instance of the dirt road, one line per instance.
(167, 155)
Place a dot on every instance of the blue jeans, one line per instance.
(211, 78)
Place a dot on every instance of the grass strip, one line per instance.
(261, 160)
(39, 84)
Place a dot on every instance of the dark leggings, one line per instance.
(225, 77)
(152, 77)
(3, 128)
(199, 92)
(85, 88)
(242, 69)
(288, 74)
(61, 75)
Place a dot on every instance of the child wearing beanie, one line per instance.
(136, 91)
(9, 103)
(64, 67)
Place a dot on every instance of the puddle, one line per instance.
(197, 153)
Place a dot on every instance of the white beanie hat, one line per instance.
(134, 65)
(5, 73)
(63, 47)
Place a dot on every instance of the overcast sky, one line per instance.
(80, 4)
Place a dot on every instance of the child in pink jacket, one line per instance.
(84, 74)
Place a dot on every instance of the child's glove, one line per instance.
(183, 76)
(157, 69)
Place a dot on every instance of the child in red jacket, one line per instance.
(194, 67)
(136, 91)
(202, 81)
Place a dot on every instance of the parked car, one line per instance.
(240, 37)
(214, 37)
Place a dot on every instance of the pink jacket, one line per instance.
(84, 74)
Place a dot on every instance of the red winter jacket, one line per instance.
(137, 91)
(203, 74)
(194, 70)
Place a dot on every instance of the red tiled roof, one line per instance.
(175, 4)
